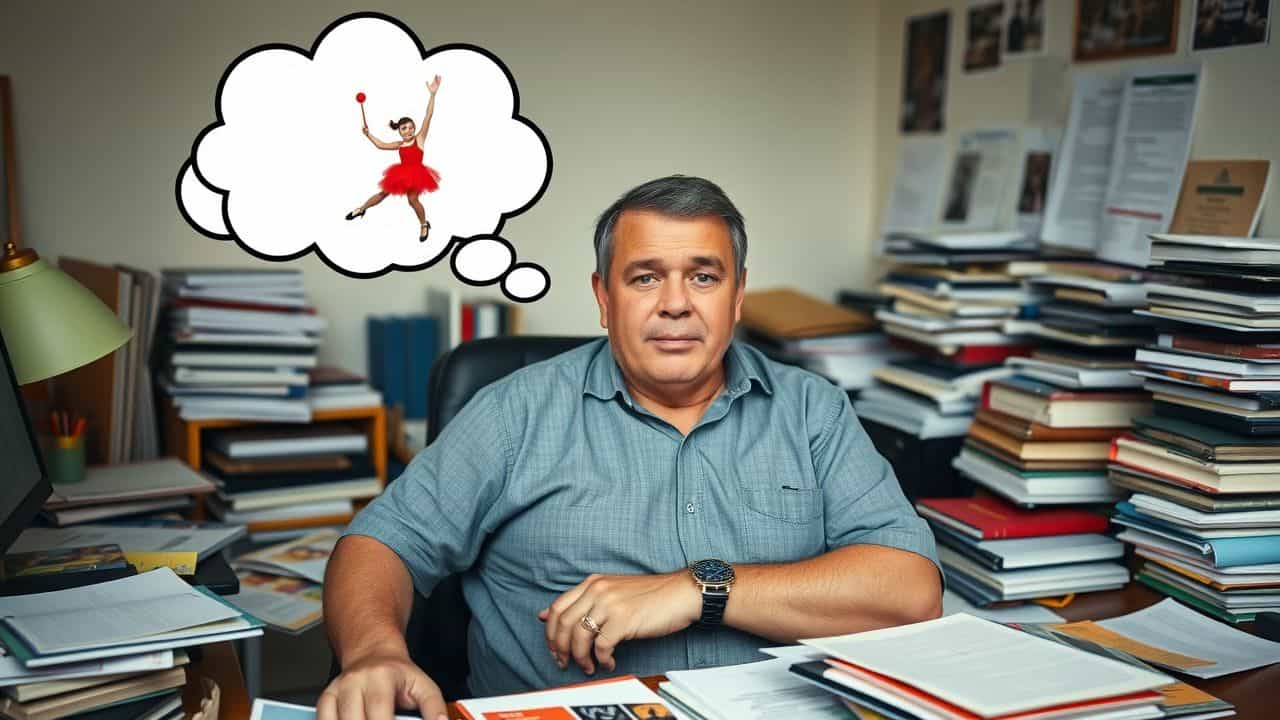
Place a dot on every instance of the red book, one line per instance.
(1211, 347)
(468, 322)
(985, 517)
(228, 305)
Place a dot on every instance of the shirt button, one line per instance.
(689, 507)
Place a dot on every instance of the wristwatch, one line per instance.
(715, 579)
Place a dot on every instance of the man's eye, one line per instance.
(644, 279)
(704, 278)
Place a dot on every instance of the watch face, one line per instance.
(714, 572)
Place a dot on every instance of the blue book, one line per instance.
(1225, 551)
(388, 341)
(423, 346)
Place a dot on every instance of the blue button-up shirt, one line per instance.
(554, 473)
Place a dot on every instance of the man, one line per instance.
(576, 492)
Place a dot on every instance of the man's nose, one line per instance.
(675, 298)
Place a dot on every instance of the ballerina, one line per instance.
(409, 177)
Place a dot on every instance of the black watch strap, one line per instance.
(713, 604)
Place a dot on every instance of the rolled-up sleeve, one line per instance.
(436, 514)
(863, 501)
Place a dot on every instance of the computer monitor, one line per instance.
(24, 484)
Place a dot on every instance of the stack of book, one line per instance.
(1001, 673)
(1038, 443)
(332, 388)
(927, 398)
(282, 585)
(126, 490)
(115, 649)
(836, 342)
(291, 478)
(956, 311)
(1204, 468)
(237, 344)
(1089, 306)
(992, 551)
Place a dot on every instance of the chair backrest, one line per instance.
(437, 631)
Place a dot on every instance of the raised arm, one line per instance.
(378, 143)
(432, 86)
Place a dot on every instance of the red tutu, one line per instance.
(409, 176)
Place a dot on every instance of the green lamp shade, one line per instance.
(52, 324)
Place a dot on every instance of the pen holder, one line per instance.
(64, 458)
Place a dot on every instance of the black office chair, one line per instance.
(437, 631)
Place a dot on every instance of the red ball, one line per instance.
(360, 97)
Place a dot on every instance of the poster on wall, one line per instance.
(984, 23)
(917, 187)
(1231, 23)
(1023, 28)
(1116, 29)
(985, 160)
(924, 76)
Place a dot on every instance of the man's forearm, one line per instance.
(367, 598)
(850, 589)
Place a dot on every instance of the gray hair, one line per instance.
(678, 196)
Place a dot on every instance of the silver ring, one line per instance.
(588, 624)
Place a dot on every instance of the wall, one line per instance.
(770, 100)
(1239, 102)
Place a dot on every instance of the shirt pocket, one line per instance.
(780, 501)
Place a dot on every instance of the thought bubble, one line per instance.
(287, 158)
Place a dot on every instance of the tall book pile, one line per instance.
(1204, 467)
(238, 344)
(841, 344)
(282, 481)
(950, 296)
(993, 551)
(1042, 435)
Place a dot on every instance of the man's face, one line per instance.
(672, 297)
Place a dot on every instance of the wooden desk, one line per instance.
(1256, 693)
(220, 664)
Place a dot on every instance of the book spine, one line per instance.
(421, 354)
(468, 322)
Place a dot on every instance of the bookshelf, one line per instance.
(183, 438)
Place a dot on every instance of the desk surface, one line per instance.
(1256, 694)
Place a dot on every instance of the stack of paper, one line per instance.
(752, 690)
(916, 671)
(110, 491)
(117, 643)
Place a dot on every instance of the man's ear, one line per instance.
(602, 298)
(739, 293)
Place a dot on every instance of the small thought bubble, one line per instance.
(341, 150)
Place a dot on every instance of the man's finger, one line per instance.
(580, 642)
(569, 622)
(604, 647)
(556, 612)
(430, 702)
(379, 701)
(351, 704)
(327, 705)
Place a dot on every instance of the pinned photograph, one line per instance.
(1024, 28)
(1115, 29)
(982, 41)
(1231, 23)
(963, 178)
(924, 77)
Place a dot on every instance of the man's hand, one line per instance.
(434, 85)
(373, 687)
(624, 607)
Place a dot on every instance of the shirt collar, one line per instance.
(741, 364)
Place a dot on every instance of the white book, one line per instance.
(232, 277)
(226, 376)
(130, 481)
(345, 400)
(1256, 302)
(1032, 582)
(753, 690)
(1017, 553)
(13, 673)
(344, 489)
(220, 318)
(286, 340)
(132, 609)
(1182, 515)
(487, 320)
(286, 512)
(1032, 672)
(932, 324)
(1072, 376)
(235, 629)
(241, 359)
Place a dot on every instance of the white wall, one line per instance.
(1237, 116)
(771, 100)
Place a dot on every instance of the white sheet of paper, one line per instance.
(13, 672)
(1172, 626)
(1153, 142)
(986, 667)
(917, 186)
(755, 690)
(979, 180)
(794, 653)
(272, 710)
(118, 611)
(1079, 183)
(622, 691)
(1029, 613)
